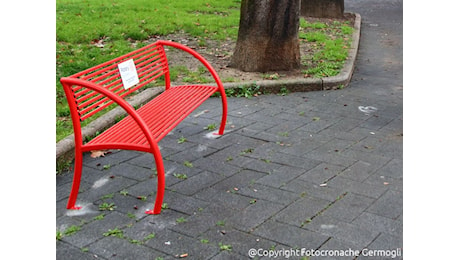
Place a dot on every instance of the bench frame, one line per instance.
(94, 89)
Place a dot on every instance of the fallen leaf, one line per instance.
(98, 153)
(183, 255)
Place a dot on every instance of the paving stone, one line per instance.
(301, 211)
(395, 126)
(345, 125)
(393, 169)
(205, 219)
(176, 244)
(302, 146)
(321, 173)
(65, 222)
(147, 188)
(317, 121)
(114, 157)
(287, 128)
(288, 235)
(243, 111)
(265, 151)
(88, 211)
(66, 251)
(390, 183)
(228, 255)
(197, 182)
(359, 171)
(192, 153)
(386, 247)
(131, 171)
(375, 222)
(108, 184)
(185, 204)
(349, 207)
(332, 157)
(91, 232)
(259, 191)
(149, 226)
(369, 190)
(241, 242)
(259, 126)
(330, 248)
(376, 122)
(369, 144)
(392, 247)
(88, 177)
(294, 161)
(343, 231)
(388, 205)
(304, 188)
(146, 160)
(391, 148)
(264, 136)
(235, 123)
(256, 213)
(334, 146)
(281, 176)
(127, 204)
(218, 167)
(224, 198)
(119, 248)
(234, 156)
(254, 164)
(373, 159)
(240, 179)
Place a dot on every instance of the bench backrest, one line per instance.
(151, 63)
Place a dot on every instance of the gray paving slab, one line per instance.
(305, 170)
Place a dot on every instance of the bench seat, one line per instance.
(161, 115)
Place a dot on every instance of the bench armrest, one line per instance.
(67, 82)
(197, 56)
(213, 72)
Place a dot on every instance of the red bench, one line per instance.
(90, 91)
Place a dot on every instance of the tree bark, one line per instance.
(322, 8)
(268, 36)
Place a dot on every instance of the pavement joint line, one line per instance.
(65, 147)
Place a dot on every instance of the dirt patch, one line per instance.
(219, 53)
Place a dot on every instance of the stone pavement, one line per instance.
(314, 170)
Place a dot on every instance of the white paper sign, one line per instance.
(128, 73)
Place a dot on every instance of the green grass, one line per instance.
(329, 44)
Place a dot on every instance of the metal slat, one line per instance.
(168, 109)
(151, 64)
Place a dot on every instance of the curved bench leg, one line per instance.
(161, 185)
(76, 181)
(224, 114)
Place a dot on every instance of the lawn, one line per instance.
(89, 32)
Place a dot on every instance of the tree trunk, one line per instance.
(322, 8)
(268, 36)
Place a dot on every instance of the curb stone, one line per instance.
(65, 147)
